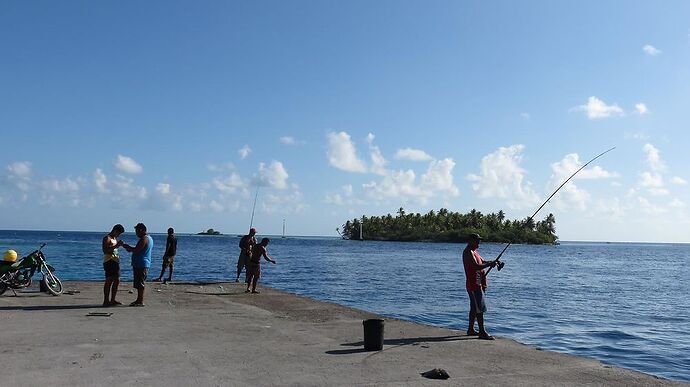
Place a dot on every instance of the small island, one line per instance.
(210, 231)
(448, 226)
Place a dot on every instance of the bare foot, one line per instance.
(485, 336)
(247, 291)
(115, 303)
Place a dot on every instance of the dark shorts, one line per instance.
(477, 301)
(112, 269)
(140, 277)
(242, 261)
(169, 260)
(253, 270)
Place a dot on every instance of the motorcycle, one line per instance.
(17, 275)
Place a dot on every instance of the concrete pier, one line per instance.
(214, 334)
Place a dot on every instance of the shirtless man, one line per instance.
(111, 265)
(254, 264)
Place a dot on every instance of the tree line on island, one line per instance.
(448, 226)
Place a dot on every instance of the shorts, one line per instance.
(253, 270)
(112, 268)
(477, 301)
(169, 260)
(242, 261)
(140, 277)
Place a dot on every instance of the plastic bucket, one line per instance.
(373, 334)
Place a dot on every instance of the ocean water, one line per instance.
(625, 304)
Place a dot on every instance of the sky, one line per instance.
(174, 113)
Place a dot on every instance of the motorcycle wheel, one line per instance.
(3, 287)
(53, 283)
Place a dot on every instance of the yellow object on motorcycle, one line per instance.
(10, 256)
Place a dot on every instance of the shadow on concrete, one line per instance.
(51, 307)
(398, 342)
(215, 294)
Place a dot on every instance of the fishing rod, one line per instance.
(256, 195)
(500, 264)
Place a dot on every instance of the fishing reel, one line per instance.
(499, 265)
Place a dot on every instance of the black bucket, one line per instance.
(373, 334)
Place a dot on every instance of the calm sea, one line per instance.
(624, 304)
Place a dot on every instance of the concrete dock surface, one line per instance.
(214, 334)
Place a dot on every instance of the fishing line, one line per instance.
(500, 264)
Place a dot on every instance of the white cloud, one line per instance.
(651, 50)
(596, 109)
(396, 184)
(640, 135)
(53, 191)
(641, 108)
(678, 180)
(127, 165)
(648, 207)
(502, 177)
(100, 180)
(229, 184)
(653, 158)
(244, 152)
(571, 163)
(288, 140)
(163, 188)
(347, 189)
(283, 203)
(220, 167)
(342, 153)
(336, 199)
(215, 206)
(439, 177)
(19, 174)
(378, 162)
(571, 194)
(653, 182)
(412, 154)
(677, 204)
(20, 169)
(274, 175)
(525, 115)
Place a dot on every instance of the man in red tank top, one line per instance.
(476, 284)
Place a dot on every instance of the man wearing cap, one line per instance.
(141, 261)
(476, 285)
(246, 245)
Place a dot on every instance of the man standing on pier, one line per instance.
(246, 245)
(476, 285)
(141, 261)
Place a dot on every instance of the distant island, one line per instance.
(210, 231)
(448, 226)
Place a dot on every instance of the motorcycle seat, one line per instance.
(5, 264)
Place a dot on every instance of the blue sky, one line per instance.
(171, 113)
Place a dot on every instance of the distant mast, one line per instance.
(361, 226)
(283, 227)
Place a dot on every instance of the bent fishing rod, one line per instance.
(500, 264)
